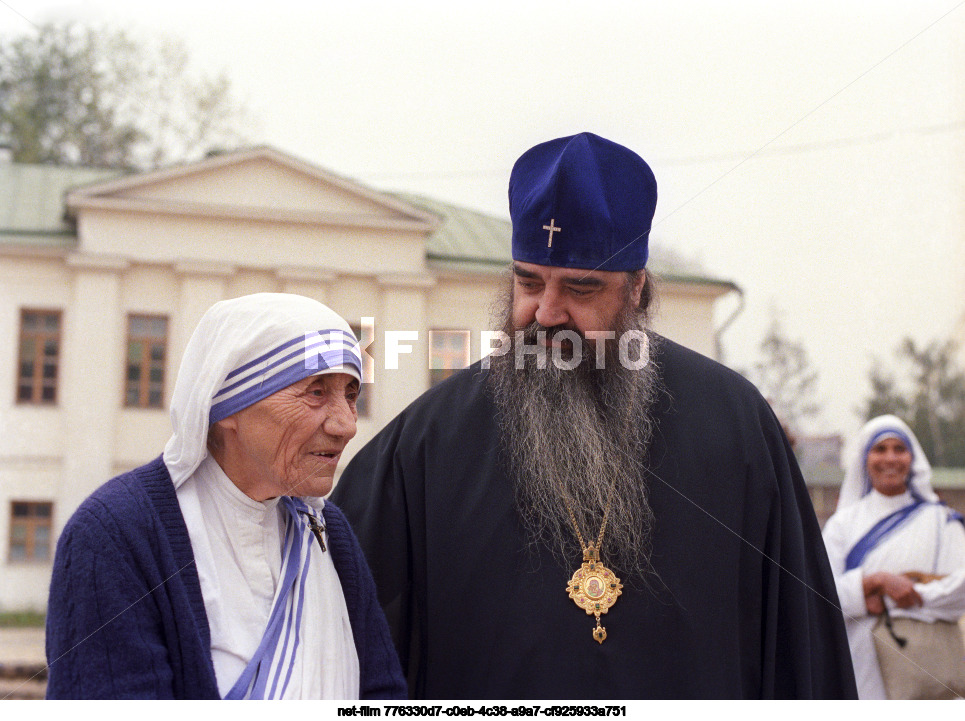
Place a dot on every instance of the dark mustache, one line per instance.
(530, 331)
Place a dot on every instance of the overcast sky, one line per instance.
(811, 152)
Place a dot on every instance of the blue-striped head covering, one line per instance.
(857, 483)
(312, 353)
(244, 350)
(875, 439)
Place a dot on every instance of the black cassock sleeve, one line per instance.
(805, 647)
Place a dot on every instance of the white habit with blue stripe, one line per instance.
(243, 351)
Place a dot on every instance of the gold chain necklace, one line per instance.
(593, 587)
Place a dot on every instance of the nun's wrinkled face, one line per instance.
(889, 461)
(289, 443)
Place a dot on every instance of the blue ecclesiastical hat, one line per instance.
(582, 202)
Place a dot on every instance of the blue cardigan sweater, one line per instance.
(126, 618)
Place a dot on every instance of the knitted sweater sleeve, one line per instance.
(104, 636)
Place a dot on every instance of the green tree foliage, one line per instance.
(785, 377)
(96, 97)
(928, 393)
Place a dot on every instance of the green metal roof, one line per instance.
(822, 474)
(32, 196)
(831, 476)
(948, 478)
(32, 205)
(464, 236)
(32, 201)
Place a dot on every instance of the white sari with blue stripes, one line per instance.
(928, 539)
(871, 532)
(276, 612)
(278, 621)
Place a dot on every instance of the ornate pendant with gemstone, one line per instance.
(594, 588)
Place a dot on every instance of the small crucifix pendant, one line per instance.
(317, 529)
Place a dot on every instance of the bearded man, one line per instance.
(591, 472)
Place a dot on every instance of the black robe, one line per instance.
(745, 606)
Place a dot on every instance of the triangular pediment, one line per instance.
(260, 183)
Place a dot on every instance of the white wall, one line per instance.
(685, 314)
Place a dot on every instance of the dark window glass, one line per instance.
(39, 356)
(146, 352)
(30, 531)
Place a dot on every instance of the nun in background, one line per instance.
(892, 544)
(217, 570)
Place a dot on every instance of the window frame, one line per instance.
(37, 381)
(31, 522)
(146, 363)
(437, 375)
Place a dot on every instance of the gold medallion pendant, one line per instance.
(594, 588)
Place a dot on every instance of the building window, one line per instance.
(365, 337)
(448, 352)
(147, 337)
(30, 531)
(39, 356)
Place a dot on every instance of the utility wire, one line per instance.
(14, 10)
(795, 149)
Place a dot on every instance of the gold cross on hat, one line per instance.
(551, 228)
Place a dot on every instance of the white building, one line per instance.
(104, 276)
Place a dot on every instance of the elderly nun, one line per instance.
(218, 570)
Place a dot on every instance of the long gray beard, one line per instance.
(580, 436)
